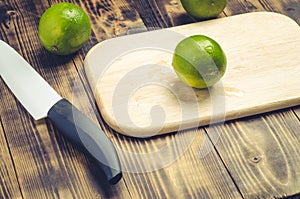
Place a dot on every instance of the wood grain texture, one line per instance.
(289, 8)
(9, 185)
(254, 81)
(112, 18)
(182, 165)
(262, 154)
(155, 13)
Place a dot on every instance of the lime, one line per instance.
(199, 61)
(64, 28)
(204, 9)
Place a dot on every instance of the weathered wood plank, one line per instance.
(9, 185)
(182, 165)
(238, 7)
(111, 18)
(262, 154)
(162, 14)
(290, 8)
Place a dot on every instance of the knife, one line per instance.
(42, 101)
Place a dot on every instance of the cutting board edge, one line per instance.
(205, 121)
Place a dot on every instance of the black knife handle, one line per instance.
(88, 136)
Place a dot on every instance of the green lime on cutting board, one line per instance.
(199, 61)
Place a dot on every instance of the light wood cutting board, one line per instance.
(139, 94)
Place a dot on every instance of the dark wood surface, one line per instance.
(254, 157)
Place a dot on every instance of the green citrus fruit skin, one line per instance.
(64, 28)
(199, 61)
(204, 9)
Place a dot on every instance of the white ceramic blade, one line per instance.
(34, 93)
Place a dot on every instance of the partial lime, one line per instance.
(64, 28)
(204, 9)
(199, 61)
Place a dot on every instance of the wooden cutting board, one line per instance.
(139, 94)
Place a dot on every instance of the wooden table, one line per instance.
(254, 157)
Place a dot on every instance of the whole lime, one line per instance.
(204, 9)
(64, 28)
(199, 61)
